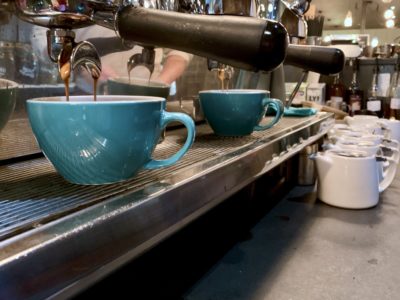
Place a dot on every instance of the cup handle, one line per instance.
(278, 105)
(167, 117)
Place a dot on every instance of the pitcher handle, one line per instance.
(395, 142)
(278, 105)
(388, 175)
(166, 118)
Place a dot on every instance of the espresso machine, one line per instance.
(259, 44)
(57, 239)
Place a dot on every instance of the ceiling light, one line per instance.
(374, 42)
(386, 1)
(348, 21)
(390, 23)
(388, 14)
(327, 39)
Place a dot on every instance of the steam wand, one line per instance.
(296, 88)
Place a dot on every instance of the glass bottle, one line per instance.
(336, 92)
(394, 112)
(374, 103)
(354, 95)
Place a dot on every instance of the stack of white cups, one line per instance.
(359, 162)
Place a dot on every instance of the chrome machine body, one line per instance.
(55, 237)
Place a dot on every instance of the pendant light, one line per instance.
(348, 21)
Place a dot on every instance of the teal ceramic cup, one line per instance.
(137, 86)
(238, 112)
(8, 98)
(105, 141)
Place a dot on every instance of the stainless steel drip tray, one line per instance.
(17, 141)
(77, 234)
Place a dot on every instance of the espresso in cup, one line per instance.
(238, 112)
(105, 141)
(8, 95)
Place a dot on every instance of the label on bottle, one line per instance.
(355, 102)
(395, 103)
(335, 102)
(374, 105)
(336, 99)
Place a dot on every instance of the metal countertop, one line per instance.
(57, 238)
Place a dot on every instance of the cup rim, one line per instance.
(11, 84)
(232, 91)
(136, 81)
(104, 100)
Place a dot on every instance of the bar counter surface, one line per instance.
(305, 249)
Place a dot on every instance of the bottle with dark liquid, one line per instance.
(374, 103)
(354, 95)
(336, 92)
(394, 95)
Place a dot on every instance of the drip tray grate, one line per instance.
(33, 193)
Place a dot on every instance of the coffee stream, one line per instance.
(129, 67)
(225, 75)
(221, 76)
(65, 72)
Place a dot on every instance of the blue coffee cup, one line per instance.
(103, 141)
(238, 112)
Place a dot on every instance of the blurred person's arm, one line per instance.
(174, 65)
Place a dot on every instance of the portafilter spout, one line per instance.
(69, 55)
(242, 42)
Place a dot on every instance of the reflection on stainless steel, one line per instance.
(295, 25)
(18, 62)
(84, 54)
(293, 19)
(299, 7)
(48, 224)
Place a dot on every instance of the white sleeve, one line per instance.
(186, 56)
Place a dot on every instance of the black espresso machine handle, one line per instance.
(319, 59)
(243, 42)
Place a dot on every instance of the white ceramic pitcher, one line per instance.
(351, 179)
